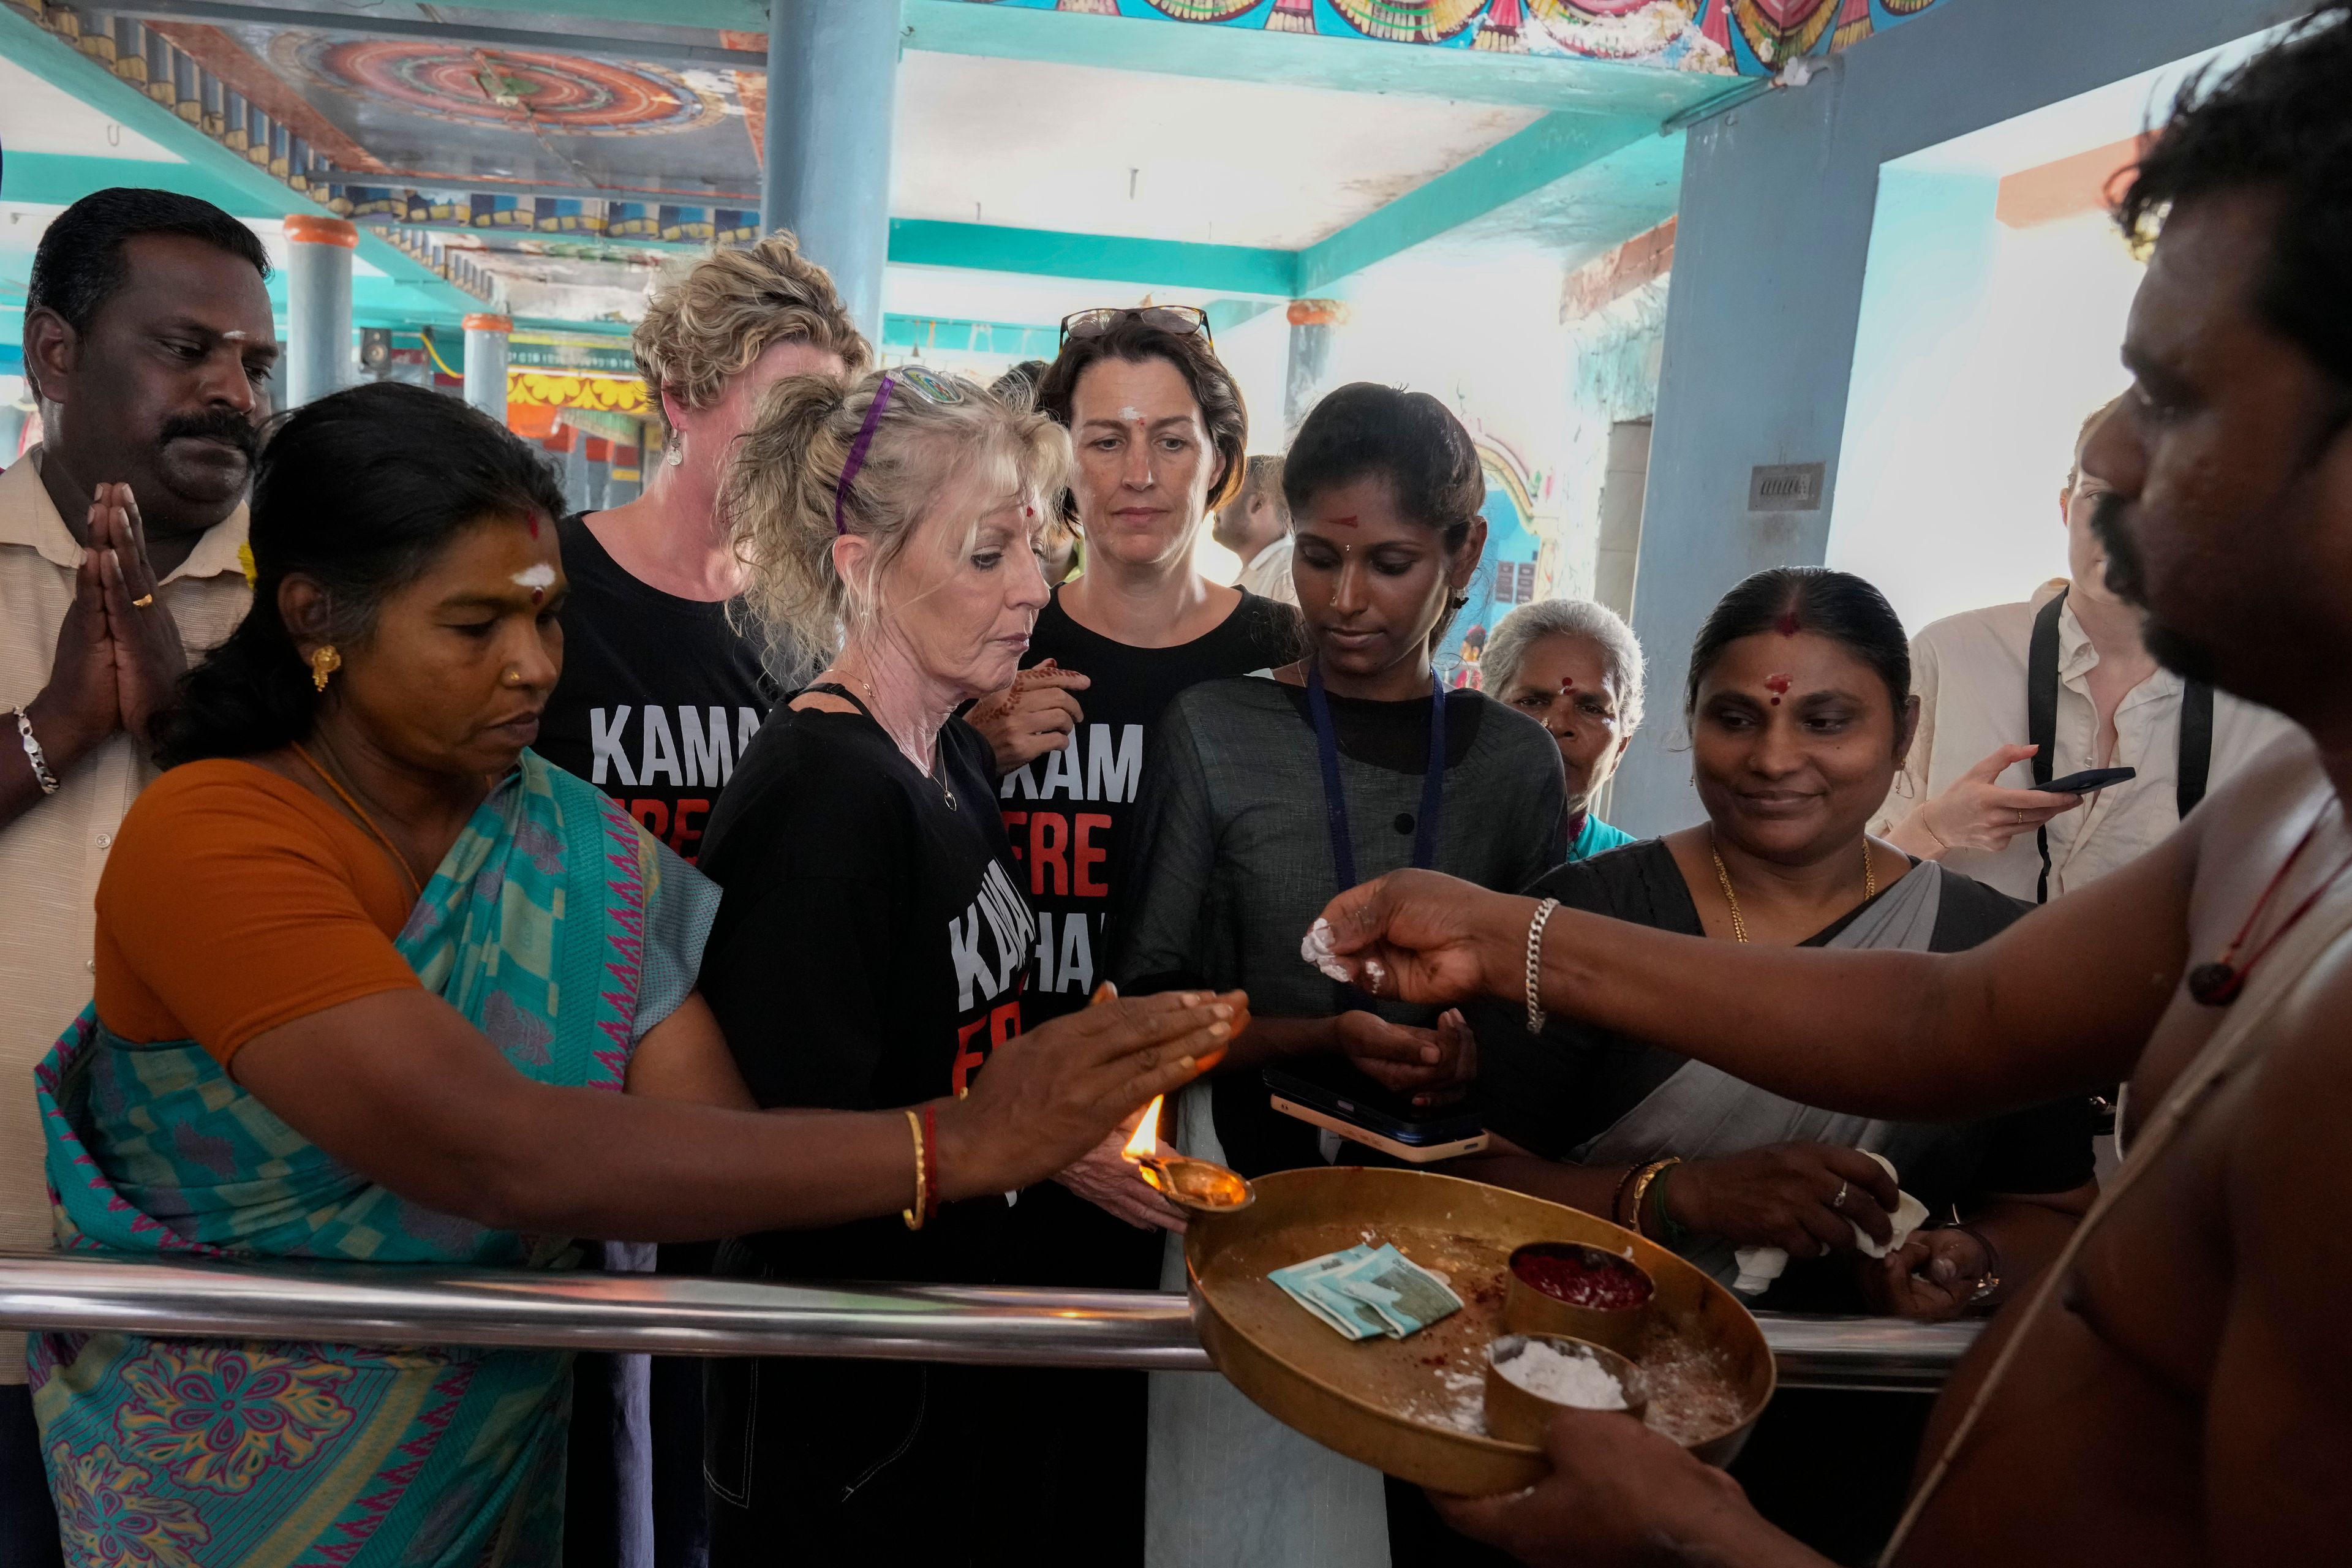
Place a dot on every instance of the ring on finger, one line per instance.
(143, 601)
(1838, 1202)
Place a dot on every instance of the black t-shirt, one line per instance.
(1554, 1092)
(1069, 815)
(867, 953)
(659, 698)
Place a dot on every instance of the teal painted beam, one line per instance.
(737, 15)
(64, 178)
(993, 248)
(1550, 150)
(926, 335)
(259, 192)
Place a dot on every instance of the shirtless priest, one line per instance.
(2181, 1392)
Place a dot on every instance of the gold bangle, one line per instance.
(914, 1216)
(1642, 1190)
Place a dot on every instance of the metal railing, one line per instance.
(673, 1315)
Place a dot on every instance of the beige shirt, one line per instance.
(51, 856)
(1268, 573)
(1969, 673)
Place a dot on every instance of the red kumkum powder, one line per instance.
(1582, 1278)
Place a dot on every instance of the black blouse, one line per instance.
(1554, 1092)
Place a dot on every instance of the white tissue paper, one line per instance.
(1759, 1265)
(1315, 949)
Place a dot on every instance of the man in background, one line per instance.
(1256, 526)
(149, 353)
(2070, 658)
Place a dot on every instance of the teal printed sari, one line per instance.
(562, 931)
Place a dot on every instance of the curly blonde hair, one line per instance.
(707, 327)
(961, 453)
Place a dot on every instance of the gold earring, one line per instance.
(324, 662)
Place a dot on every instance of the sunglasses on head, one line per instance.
(1178, 320)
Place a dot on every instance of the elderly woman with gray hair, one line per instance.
(867, 955)
(1573, 665)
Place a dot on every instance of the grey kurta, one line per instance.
(1234, 858)
(1232, 864)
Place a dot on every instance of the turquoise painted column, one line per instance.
(1312, 324)
(832, 80)
(318, 305)
(485, 363)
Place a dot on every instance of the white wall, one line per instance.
(1981, 350)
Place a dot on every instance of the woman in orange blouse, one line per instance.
(376, 982)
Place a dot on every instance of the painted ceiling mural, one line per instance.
(539, 116)
(1749, 37)
(435, 135)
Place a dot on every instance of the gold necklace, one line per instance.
(1723, 876)
(399, 859)
(946, 794)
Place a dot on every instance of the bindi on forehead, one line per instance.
(1778, 685)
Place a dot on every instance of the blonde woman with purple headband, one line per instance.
(871, 940)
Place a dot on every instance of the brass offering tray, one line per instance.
(1414, 1408)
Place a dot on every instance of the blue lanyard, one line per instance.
(1335, 798)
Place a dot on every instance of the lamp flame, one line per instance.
(1146, 1142)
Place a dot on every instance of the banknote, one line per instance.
(1407, 1297)
(1303, 1283)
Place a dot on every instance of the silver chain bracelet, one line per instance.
(35, 755)
(1534, 964)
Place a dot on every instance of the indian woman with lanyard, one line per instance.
(1261, 795)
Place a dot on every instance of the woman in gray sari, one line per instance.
(1799, 711)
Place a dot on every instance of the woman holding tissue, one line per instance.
(1799, 711)
(1265, 795)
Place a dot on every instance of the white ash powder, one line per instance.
(1571, 1377)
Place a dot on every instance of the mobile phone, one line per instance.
(1339, 1098)
(2087, 780)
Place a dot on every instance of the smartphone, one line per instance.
(2086, 781)
(1339, 1098)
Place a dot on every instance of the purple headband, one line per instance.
(858, 452)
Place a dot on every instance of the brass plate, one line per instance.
(1410, 1407)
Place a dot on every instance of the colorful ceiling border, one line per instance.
(1719, 38)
